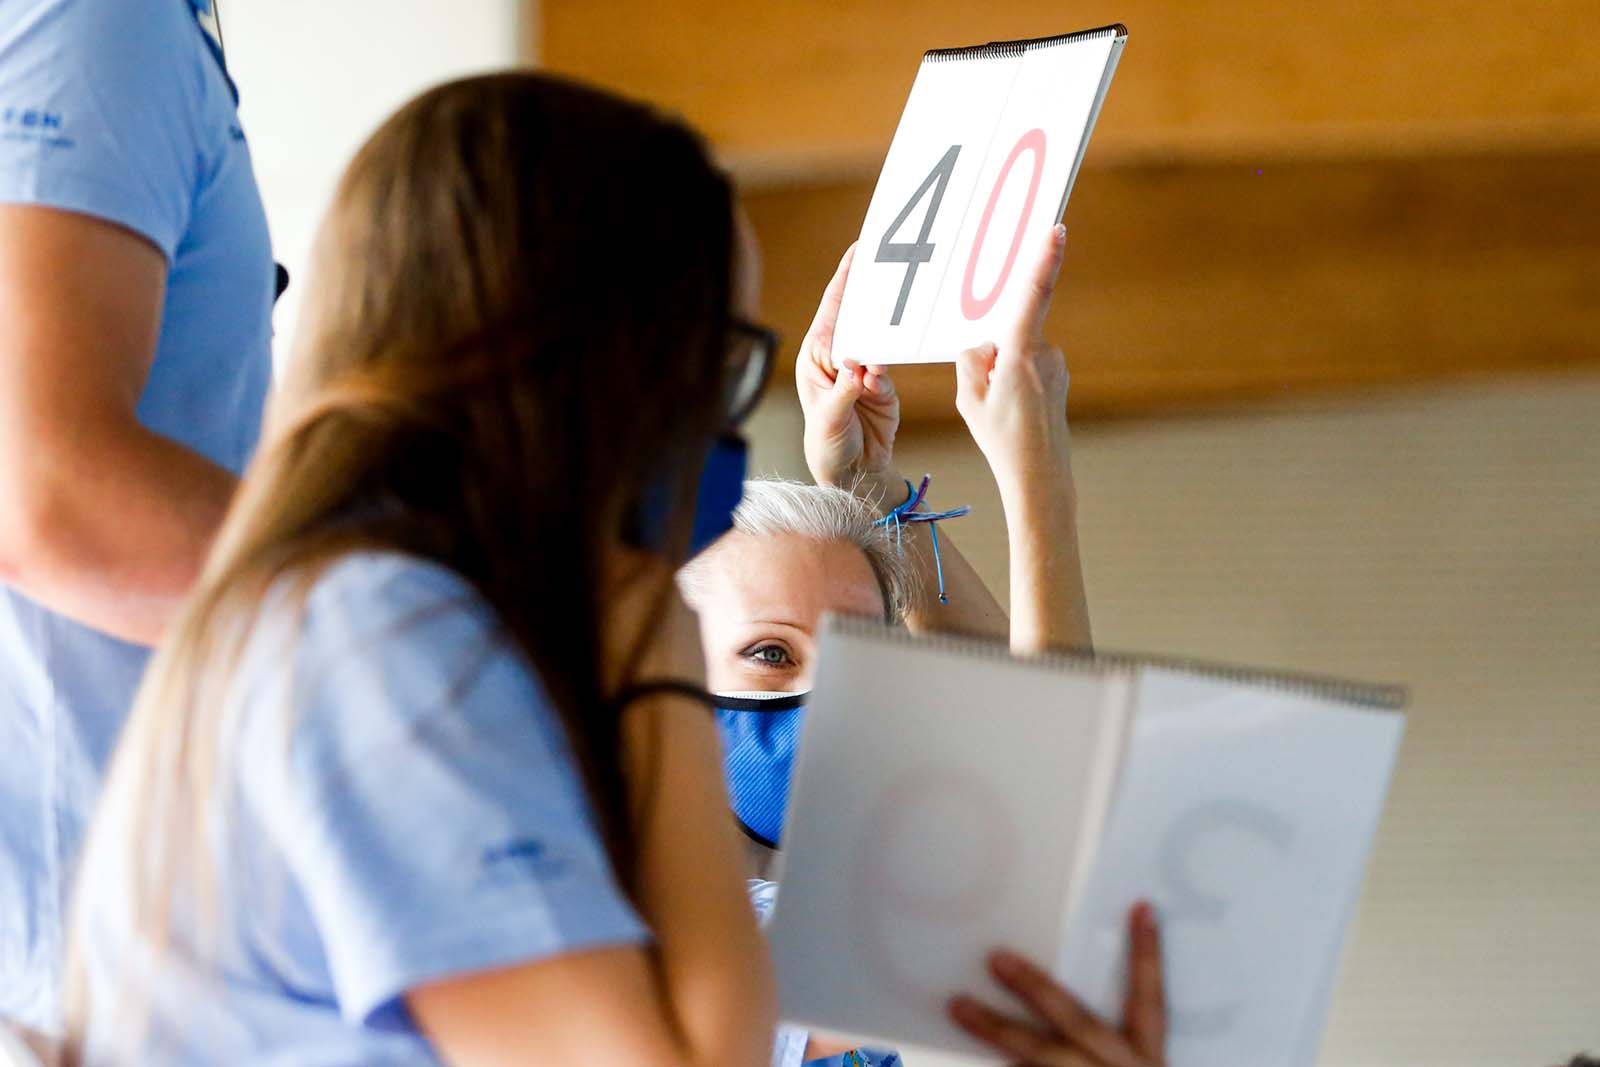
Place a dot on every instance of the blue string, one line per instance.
(907, 512)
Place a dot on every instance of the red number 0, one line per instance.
(971, 305)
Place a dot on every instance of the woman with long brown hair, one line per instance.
(424, 771)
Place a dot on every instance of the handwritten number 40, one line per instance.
(915, 253)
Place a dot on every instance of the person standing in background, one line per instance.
(136, 290)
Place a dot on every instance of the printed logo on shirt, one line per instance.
(518, 859)
(32, 124)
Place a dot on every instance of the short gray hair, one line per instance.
(775, 507)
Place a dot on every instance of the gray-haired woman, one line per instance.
(797, 551)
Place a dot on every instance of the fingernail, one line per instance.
(961, 1007)
(1059, 234)
(1005, 962)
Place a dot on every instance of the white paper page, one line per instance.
(928, 179)
(1245, 815)
(933, 817)
(1019, 194)
(1316, 1015)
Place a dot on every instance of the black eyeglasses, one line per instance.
(751, 350)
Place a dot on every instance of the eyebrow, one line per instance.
(779, 622)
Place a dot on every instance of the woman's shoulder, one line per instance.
(383, 586)
(374, 649)
(384, 612)
(377, 606)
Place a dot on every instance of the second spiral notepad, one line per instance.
(951, 799)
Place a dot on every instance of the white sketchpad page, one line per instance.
(946, 801)
(1244, 814)
(980, 168)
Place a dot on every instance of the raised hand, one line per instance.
(1013, 393)
(1060, 1031)
(851, 412)
(1013, 397)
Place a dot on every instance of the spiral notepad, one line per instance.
(981, 165)
(951, 798)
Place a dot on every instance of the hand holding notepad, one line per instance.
(951, 799)
(985, 155)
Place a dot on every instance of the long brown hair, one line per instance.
(517, 329)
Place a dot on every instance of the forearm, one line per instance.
(711, 961)
(1049, 607)
(112, 529)
(971, 608)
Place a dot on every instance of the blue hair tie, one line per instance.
(907, 512)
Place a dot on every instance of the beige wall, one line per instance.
(1447, 539)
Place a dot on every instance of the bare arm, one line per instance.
(702, 992)
(852, 415)
(1013, 396)
(101, 519)
(972, 608)
(1049, 607)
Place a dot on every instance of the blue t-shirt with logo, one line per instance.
(119, 110)
(400, 805)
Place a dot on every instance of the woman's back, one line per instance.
(355, 828)
(403, 809)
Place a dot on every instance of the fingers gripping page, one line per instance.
(983, 159)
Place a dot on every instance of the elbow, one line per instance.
(35, 530)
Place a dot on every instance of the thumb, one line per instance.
(972, 374)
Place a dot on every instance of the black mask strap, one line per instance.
(746, 702)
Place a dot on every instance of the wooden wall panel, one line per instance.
(1200, 285)
(790, 89)
(1280, 198)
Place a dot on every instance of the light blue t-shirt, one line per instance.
(117, 109)
(404, 807)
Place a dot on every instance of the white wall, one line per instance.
(317, 76)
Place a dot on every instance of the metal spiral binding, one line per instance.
(1364, 694)
(998, 49)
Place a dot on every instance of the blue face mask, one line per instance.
(760, 735)
(721, 489)
(718, 494)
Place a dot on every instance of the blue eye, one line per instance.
(770, 656)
